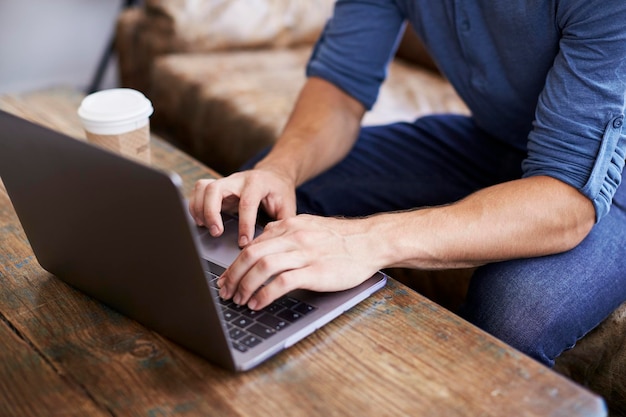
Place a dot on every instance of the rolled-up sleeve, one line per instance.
(356, 46)
(577, 135)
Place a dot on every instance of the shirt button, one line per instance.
(617, 123)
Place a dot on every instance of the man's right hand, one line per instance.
(320, 132)
(243, 193)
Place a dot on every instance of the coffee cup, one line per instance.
(118, 119)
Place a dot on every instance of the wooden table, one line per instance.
(397, 354)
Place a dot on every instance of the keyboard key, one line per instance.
(238, 307)
(273, 322)
(273, 308)
(223, 302)
(251, 341)
(261, 331)
(251, 313)
(239, 347)
(289, 315)
(229, 315)
(236, 333)
(287, 302)
(304, 308)
(242, 322)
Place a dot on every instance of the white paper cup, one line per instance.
(119, 120)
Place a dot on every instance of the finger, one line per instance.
(196, 201)
(212, 207)
(264, 273)
(248, 211)
(279, 286)
(287, 208)
(285, 211)
(254, 266)
(272, 230)
(230, 279)
(280, 207)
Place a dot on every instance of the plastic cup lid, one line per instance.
(115, 111)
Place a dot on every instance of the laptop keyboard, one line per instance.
(249, 328)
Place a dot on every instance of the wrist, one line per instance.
(405, 239)
(379, 235)
(290, 158)
(281, 168)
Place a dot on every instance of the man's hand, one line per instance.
(309, 252)
(242, 192)
(320, 132)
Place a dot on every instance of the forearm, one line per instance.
(523, 218)
(320, 132)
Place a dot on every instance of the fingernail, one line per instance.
(252, 304)
(243, 240)
(224, 293)
(237, 299)
(214, 230)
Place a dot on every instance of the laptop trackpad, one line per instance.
(224, 249)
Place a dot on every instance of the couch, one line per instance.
(223, 75)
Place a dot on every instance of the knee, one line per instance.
(525, 335)
(528, 331)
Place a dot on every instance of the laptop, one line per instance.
(120, 231)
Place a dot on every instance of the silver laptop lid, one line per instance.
(88, 225)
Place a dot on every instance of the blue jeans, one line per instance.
(540, 306)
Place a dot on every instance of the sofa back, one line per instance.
(201, 26)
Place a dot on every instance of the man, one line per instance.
(526, 188)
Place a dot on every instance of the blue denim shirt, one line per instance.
(546, 76)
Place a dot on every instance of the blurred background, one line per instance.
(46, 43)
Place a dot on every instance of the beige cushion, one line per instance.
(219, 24)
